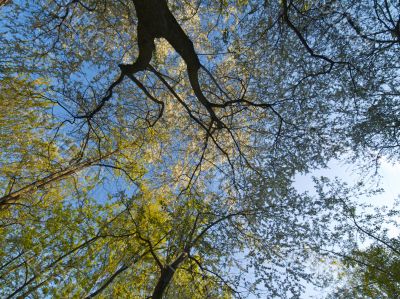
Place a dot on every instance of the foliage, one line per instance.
(23, 132)
(376, 274)
(370, 269)
(170, 182)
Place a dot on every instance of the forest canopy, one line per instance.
(149, 149)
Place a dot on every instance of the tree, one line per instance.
(371, 271)
(22, 126)
(366, 264)
(375, 273)
(169, 160)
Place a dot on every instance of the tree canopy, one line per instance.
(149, 148)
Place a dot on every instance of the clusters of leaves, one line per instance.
(118, 188)
(371, 270)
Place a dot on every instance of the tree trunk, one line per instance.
(167, 273)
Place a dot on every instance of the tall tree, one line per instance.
(163, 138)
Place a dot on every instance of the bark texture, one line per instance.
(155, 20)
